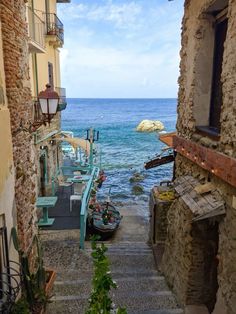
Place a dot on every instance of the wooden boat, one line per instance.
(104, 222)
(165, 157)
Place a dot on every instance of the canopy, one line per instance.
(167, 138)
(77, 142)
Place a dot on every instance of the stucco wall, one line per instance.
(15, 51)
(193, 109)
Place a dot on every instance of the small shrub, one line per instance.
(100, 302)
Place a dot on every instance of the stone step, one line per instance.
(136, 262)
(79, 307)
(133, 301)
(77, 287)
(123, 244)
(116, 273)
(163, 311)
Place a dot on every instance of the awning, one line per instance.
(76, 142)
(167, 138)
(203, 202)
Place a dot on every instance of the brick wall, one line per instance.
(15, 49)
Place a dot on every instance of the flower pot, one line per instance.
(51, 276)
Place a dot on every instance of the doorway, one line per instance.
(203, 283)
(43, 174)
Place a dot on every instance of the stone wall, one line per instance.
(193, 110)
(176, 261)
(7, 183)
(15, 50)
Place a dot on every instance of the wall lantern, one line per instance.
(43, 147)
(48, 100)
(52, 142)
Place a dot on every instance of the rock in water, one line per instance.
(137, 189)
(150, 126)
(136, 178)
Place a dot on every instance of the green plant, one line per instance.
(33, 281)
(20, 307)
(100, 301)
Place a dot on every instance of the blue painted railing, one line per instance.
(84, 206)
(54, 181)
(66, 171)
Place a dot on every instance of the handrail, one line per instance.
(62, 95)
(53, 181)
(54, 26)
(84, 206)
(36, 28)
(75, 168)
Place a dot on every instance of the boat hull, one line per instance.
(96, 223)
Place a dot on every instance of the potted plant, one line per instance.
(37, 282)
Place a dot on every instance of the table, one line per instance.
(46, 202)
(79, 179)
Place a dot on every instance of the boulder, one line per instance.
(150, 126)
(137, 189)
(137, 177)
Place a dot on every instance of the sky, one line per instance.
(121, 48)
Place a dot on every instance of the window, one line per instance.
(209, 60)
(50, 74)
(216, 91)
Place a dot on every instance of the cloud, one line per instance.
(122, 16)
(102, 72)
(121, 48)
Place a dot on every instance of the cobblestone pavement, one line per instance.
(141, 288)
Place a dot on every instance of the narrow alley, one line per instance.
(141, 288)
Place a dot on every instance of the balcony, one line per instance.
(54, 30)
(36, 29)
(62, 101)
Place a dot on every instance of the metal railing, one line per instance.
(84, 206)
(54, 26)
(36, 28)
(62, 94)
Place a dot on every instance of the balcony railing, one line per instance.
(54, 27)
(36, 31)
(62, 101)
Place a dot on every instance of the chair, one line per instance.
(76, 173)
(74, 197)
(78, 193)
(79, 188)
(62, 183)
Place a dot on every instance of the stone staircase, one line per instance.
(141, 288)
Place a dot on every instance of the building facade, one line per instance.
(200, 249)
(29, 59)
(46, 36)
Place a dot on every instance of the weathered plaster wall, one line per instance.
(15, 51)
(193, 109)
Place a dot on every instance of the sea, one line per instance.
(124, 150)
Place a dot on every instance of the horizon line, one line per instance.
(121, 98)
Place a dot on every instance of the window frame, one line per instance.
(210, 129)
